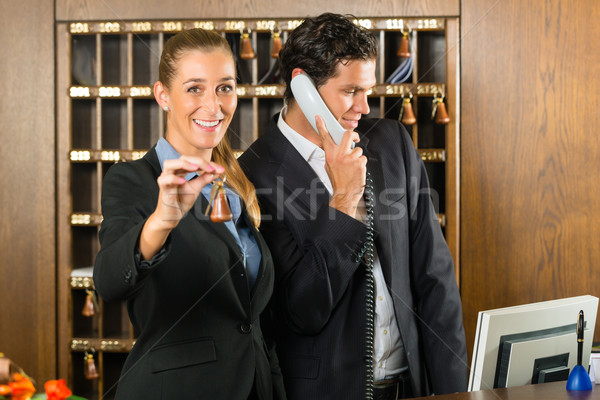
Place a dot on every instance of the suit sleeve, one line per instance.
(315, 248)
(312, 274)
(434, 285)
(126, 204)
(267, 324)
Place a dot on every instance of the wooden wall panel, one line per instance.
(530, 153)
(117, 9)
(27, 210)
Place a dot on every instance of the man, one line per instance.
(334, 335)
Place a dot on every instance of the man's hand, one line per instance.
(346, 167)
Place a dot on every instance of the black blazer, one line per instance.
(199, 335)
(320, 286)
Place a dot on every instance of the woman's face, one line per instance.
(201, 100)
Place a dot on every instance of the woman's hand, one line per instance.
(176, 197)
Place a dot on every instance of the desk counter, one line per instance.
(543, 391)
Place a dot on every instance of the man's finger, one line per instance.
(347, 139)
(326, 138)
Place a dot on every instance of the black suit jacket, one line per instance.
(197, 319)
(320, 286)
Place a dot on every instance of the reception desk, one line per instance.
(544, 391)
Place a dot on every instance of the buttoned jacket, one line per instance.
(196, 319)
(319, 294)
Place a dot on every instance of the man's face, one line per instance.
(346, 93)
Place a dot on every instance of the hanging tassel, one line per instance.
(407, 116)
(89, 308)
(404, 49)
(89, 366)
(218, 201)
(247, 52)
(276, 44)
(221, 211)
(439, 111)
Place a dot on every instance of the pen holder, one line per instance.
(579, 379)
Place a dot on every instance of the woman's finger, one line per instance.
(203, 165)
(170, 180)
(179, 166)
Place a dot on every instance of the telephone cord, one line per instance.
(368, 255)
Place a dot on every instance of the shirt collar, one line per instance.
(305, 147)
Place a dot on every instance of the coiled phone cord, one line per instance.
(367, 253)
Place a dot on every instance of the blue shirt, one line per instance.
(242, 233)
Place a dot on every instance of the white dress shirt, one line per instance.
(388, 356)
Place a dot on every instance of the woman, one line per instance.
(195, 289)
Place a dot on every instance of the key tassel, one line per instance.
(441, 115)
(404, 49)
(247, 52)
(220, 209)
(276, 45)
(88, 307)
(89, 367)
(408, 116)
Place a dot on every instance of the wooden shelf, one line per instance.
(104, 345)
(237, 25)
(248, 91)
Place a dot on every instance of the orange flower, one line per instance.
(21, 387)
(4, 390)
(57, 390)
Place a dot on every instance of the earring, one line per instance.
(221, 212)
(166, 108)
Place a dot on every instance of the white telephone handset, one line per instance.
(312, 104)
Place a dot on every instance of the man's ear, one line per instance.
(297, 71)
(161, 95)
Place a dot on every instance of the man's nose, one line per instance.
(361, 104)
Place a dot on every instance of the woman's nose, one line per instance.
(211, 103)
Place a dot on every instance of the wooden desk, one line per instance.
(543, 391)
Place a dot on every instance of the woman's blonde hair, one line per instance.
(175, 48)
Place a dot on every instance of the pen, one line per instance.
(579, 337)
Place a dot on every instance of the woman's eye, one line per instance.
(226, 89)
(194, 89)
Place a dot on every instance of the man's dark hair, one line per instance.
(320, 43)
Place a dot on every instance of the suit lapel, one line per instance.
(296, 175)
(382, 225)
(237, 267)
(263, 259)
(219, 229)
